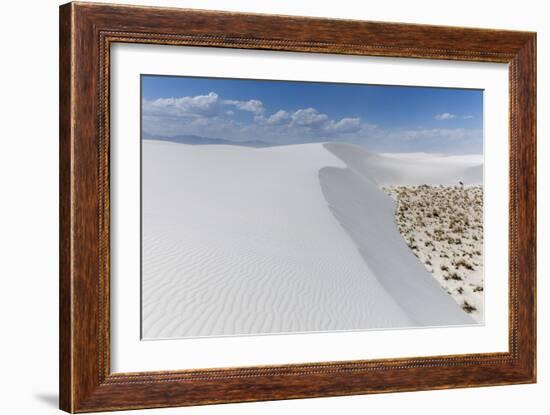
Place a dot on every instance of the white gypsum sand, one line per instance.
(298, 238)
(443, 226)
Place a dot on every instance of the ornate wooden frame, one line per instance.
(86, 33)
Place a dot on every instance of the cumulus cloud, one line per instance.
(309, 123)
(281, 117)
(445, 116)
(200, 105)
(252, 105)
(309, 117)
(345, 125)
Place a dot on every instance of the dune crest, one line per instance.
(406, 169)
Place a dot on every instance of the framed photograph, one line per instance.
(258, 207)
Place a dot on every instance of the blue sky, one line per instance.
(381, 118)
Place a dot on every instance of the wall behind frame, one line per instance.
(29, 206)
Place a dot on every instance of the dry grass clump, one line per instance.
(443, 227)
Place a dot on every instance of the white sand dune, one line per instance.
(410, 169)
(298, 238)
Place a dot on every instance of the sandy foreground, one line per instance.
(299, 238)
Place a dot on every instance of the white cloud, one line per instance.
(345, 125)
(445, 116)
(200, 105)
(253, 105)
(308, 123)
(281, 117)
(468, 117)
(310, 120)
(309, 117)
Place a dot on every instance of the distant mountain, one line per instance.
(198, 140)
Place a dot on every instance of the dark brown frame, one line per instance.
(86, 33)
